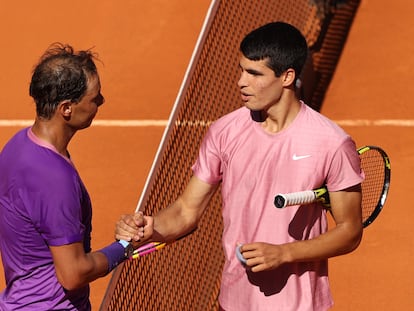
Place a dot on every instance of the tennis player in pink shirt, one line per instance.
(274, 144)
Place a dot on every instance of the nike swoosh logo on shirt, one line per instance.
(296, 157)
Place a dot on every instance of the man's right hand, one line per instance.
(134, 228)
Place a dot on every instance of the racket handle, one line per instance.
(147, 249)
(294, 198)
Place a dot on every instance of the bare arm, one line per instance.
(74, 268)
(342, 239)
(183, 215)
(171, 223)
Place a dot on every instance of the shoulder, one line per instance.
(233, 120)
(316, 116)
(228, 127)
(321, 125)
(36, 166)
(17, 140)
(321, 135)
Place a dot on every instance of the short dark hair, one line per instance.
(61, 74)
(280, 44)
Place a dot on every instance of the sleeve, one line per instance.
(56, 206)
(208, 164)
(345, 169)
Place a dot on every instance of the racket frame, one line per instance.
(322, 195)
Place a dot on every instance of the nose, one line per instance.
(100, 100)
(242, 81)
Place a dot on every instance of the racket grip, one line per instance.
(294, 198)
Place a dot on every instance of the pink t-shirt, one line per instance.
(253, 166)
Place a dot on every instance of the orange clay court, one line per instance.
(145, 48)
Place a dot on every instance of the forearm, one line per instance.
(95, 265)
(183, 215)
(340, 240)
(173, 222)
(75, 268)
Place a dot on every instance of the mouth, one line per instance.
(245, 97)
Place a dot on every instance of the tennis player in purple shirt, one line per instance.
(45, 209)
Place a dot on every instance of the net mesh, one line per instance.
(186, 275)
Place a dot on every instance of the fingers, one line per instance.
(139, 219)
(129, 227)
(148, 222)
(134, 228)
(260, 256)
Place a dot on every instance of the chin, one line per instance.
(252, 107)
(86, 125)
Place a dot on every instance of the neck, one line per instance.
(281, 116)
(53, 134)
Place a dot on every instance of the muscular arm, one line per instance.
(173, 222)
(182, 217)
(74, 268)
(342, 239)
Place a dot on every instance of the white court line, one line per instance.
(163, 123)
(130, 123)
(380, 122)
(104, 123)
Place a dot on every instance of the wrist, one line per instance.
(128, 248)
(116, 253)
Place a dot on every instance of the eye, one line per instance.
(254, 72)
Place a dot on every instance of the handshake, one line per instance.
(137, 230)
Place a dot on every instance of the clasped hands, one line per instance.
(135, 228)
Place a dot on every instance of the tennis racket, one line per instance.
(150, 247)
(377, 168)
(147, 249)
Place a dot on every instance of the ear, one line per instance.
(289, 77)
(65, 108)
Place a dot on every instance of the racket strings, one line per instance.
(372, 163)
